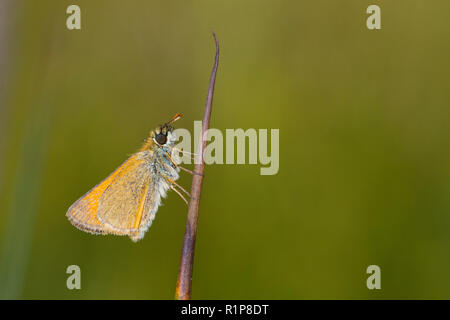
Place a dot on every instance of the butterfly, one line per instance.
(126, 202)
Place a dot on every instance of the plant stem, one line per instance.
(184, 281)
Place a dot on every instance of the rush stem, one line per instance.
(184, 281)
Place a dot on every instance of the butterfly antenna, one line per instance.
(174, 118)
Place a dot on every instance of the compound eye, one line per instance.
(161, 138)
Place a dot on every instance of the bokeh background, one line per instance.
(364, 146)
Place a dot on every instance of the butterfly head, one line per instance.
(163, 134)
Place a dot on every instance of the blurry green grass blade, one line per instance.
(22, 210)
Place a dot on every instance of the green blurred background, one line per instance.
(364, 146)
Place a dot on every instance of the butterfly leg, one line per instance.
(182, 168)
(179, 193)
(174, 186)
(190, 171)
(182, 189)
(192, 155)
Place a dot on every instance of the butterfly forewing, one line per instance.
(122, 203)
(83, 213)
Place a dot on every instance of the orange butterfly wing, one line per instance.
(83, 214)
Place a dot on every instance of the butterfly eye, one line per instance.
(161, 138)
